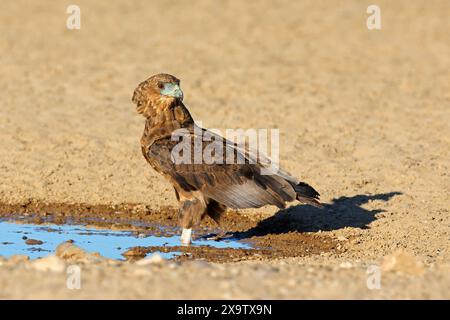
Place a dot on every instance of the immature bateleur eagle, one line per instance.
(206, 189)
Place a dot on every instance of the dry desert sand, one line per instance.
(363, 116)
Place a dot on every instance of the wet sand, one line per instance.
(269, 239)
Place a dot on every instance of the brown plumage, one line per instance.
(206, 189)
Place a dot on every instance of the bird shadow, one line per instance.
(340, 213)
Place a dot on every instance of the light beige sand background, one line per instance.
(360, 113)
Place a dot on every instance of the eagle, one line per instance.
(206, 188)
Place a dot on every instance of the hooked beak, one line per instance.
(172, 90)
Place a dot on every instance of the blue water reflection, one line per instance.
(109, 243)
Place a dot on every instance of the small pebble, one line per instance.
(48, 264)
(33, 242)
(153, 259)
(346, 265)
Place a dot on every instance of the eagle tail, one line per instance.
(306, 194)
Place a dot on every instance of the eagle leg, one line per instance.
(190, 214)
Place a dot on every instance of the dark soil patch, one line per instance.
(271, 238)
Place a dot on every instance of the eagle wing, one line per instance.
(237, 185)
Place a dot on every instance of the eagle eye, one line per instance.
(161, 85)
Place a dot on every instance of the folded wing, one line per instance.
(236, 185)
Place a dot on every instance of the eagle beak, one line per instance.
(172, 90)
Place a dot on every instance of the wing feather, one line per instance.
(234, 185)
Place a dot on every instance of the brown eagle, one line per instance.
(206, 188)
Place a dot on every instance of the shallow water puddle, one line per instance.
(20, 239)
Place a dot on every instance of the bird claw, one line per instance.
(217, 237)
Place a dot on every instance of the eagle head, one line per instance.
(157, 91)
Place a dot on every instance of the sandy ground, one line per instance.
(363, 116)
